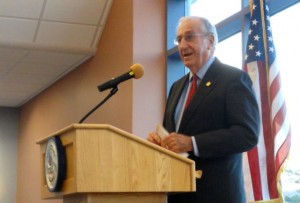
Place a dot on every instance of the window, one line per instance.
(286, 38)
(204, 8)
(234, 55)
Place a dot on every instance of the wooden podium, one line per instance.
(106, 164)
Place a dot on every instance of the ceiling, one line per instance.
(42, 40)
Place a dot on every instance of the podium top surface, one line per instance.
(116, 130)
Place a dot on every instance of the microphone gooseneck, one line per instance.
(111, 93)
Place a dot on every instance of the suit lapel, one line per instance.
(174, 99)
(205, 88)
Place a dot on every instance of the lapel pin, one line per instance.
(208, 84)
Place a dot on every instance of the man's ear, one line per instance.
(211, 40)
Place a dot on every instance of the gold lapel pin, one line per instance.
(208, 84)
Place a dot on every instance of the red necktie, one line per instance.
(192, 91)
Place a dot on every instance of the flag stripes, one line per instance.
(267, 158)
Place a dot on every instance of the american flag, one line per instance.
(265, 161)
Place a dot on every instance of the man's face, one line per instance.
(194, 44)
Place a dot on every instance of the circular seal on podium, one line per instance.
(54, 164)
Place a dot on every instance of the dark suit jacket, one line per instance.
(223, 117)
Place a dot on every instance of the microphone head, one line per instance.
(138, 70)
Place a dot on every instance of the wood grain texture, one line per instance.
(104, 159)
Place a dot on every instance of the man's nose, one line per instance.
(183, 43)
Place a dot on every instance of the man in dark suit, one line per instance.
(220, 122)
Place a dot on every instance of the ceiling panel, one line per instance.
(21, 9)
(53, 58)
(43, 40)
(74, 11)
(76, 35)
(11, 54)
(17, 29)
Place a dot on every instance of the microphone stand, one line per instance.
(112, 92)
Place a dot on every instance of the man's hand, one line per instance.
(154, 138)
(178, 143)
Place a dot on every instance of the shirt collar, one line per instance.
(203, 70)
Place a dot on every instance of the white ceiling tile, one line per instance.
(21, 9)
(17, 30)
(74, 11)
(11, 54)
(64, 34)
(32, 68)
(25, 78)
(7, 87)
(43, 73)
(17, 94)
(53, 58)
(5, 67)
(37, 49)
(12, 101)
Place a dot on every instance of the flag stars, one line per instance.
(254, 22)
(270, 39)
(251, 46)
(259, 32)
(250, 31)
(258, 53)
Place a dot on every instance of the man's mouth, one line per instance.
(187, 54)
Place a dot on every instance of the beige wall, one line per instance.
(149, 48)
(134, 33)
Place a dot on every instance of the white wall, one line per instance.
(9, 129)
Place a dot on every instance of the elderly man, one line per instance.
(212, 114)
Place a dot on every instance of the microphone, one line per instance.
(136, 71)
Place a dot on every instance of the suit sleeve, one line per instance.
(236, 129)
